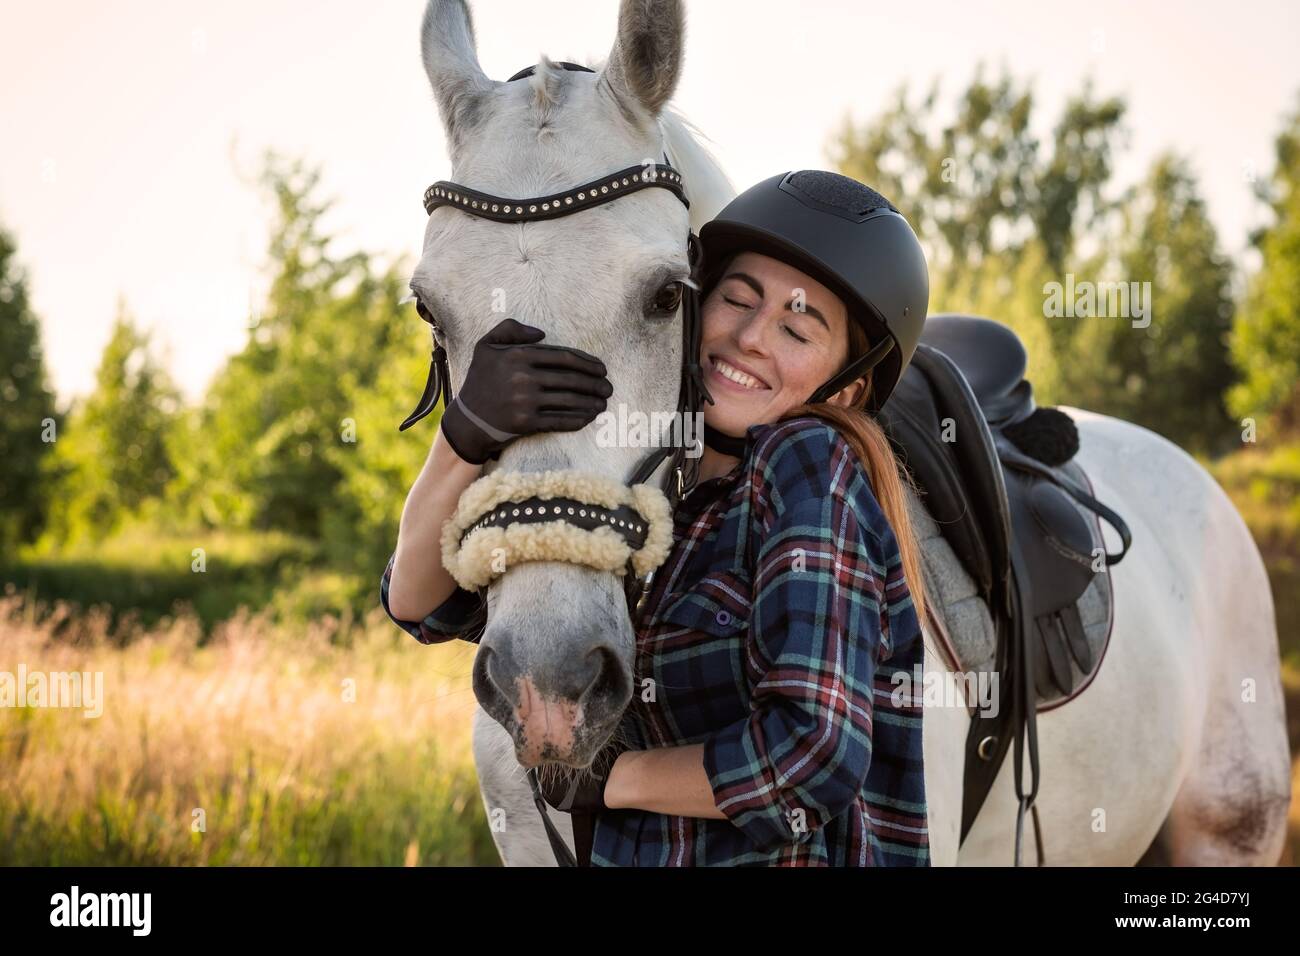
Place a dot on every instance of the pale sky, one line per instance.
(127, 128)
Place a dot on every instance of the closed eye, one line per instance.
(741, 305)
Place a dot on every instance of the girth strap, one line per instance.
(1024, 705)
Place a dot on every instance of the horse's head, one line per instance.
(554, 665)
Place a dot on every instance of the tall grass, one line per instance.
(253, 735)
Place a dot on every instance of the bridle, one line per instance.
(597, 192)
(683, 469)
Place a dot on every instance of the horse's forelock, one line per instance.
(547, 85)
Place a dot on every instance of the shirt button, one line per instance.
(724, 618)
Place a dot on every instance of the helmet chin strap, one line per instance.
(735, 447)
(853, 371)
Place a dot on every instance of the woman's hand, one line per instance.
(516, 387)
(583, 792)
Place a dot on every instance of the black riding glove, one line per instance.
(581, 791)
(516, 387)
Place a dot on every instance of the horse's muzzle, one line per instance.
(558, 708)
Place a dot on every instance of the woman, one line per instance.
(792, 594)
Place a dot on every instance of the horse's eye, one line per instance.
(667, 299)
(423, 311)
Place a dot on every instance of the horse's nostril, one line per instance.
(609, 688)
(587, 691)
(488, 688)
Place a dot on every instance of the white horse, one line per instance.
(1177, 750)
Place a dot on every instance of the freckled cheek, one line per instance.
(716, 323)
(794, 375)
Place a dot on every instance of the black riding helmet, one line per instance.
(849, 238)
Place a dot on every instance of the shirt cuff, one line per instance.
(744, 788)
(446, 621)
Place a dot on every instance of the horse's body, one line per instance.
(1179, 744)
(1159, 752)
(1164, 756)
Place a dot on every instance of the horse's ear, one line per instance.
(451, 62)
(646, 61)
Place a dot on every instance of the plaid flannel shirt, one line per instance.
(772, 635)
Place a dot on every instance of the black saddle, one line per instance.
(989, 465)
(991, 359)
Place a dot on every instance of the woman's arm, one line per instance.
(419, 581)
(665, 780)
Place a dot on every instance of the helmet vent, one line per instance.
(840, 192)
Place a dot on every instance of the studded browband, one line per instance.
(594, 193)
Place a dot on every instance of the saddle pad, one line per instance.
(966, 617)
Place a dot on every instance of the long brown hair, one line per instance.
(888, 480)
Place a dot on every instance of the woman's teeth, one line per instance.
(735, 375)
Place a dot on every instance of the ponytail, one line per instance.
(888, 481)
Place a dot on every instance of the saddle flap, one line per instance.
(966, 434)
(1056, 540)
(1060, 522)
(913, 424)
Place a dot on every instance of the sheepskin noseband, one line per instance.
(508, 518)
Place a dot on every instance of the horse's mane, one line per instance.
(707, 187)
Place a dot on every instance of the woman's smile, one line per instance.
(730, 375)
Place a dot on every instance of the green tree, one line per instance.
(1266, 337)
(1170, 375)
(26, 407)
(980, 184)
(380, 465)
(112, 456)
(268, 447)
(1003, 215)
